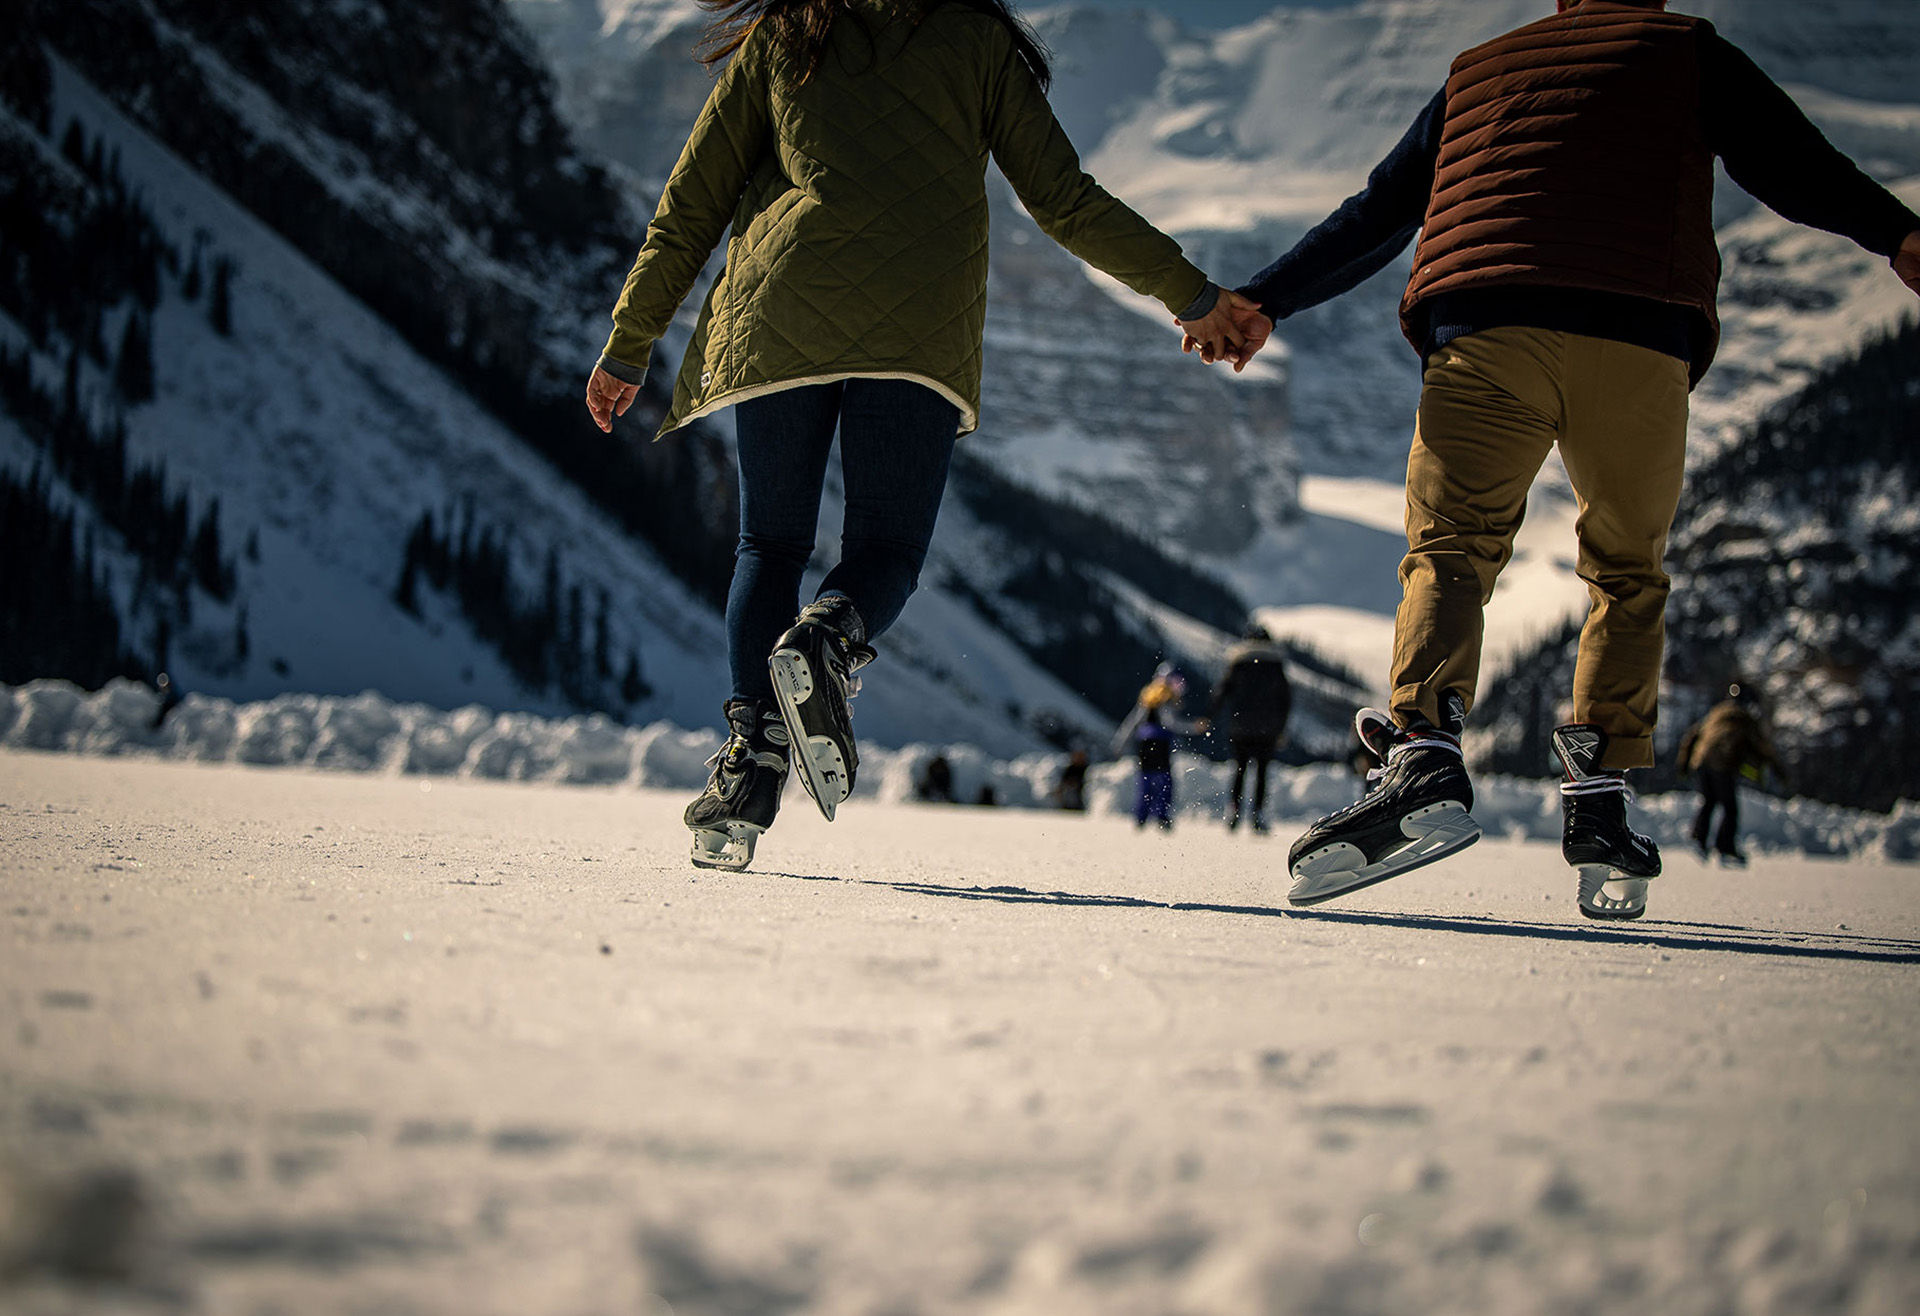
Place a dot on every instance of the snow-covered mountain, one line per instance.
(417, 260)
(378, 394)
(1236, 127)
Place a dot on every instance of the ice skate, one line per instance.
(1614, 862)
(813, 668)
(743, 794)
(1418, 811)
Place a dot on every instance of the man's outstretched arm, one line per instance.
(1777, 156)
(1369, 229)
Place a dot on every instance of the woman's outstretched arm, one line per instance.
(728, 142)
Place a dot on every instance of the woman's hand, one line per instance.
(1235, 330)
(607, 397)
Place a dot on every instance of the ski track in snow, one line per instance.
(309, 1041)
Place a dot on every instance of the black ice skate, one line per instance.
(1615, 862)
(743, 794)
(813, 668)
(1417, 812)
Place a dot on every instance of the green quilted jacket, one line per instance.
(858, 208)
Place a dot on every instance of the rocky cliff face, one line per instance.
(1089, 398)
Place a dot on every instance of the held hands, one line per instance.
(1906, 261)
(1235, 331)
(607, 397)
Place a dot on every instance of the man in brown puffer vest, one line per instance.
(1725, 745)
(1562, 293)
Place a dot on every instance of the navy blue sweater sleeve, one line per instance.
(1773, 151)
(1369, 229)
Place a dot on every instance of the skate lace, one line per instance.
(720, 755)
(1414, 740)
(1598, 786)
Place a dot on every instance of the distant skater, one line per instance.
(1070, 787)
(935, 782)
(845, 145)
(1724, 746)
(1149, 732)
(1252, 703)
(169, 699)
(1563, 294)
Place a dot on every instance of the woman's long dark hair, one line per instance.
(801, 27)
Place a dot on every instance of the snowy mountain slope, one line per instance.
(327, 435)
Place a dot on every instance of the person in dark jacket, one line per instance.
(1251, 703)
(934, 785)
(1563, 293)
(1727, 744)
(1070, 787)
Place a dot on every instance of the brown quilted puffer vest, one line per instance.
(1573, 156)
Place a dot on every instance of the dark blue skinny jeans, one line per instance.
(896, 443)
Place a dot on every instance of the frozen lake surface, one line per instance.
(289, 1040)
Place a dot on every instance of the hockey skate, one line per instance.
(814, 668)
(1615, 862)
(743, 794)
(1418, 811)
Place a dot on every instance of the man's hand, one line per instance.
(1906, 261)
(1256, 327)
(1234, 331)
(607, 397)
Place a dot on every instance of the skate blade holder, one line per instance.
(729, 846)
(1432, 834)
(1606, 894)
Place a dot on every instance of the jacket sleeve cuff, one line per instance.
(1202, 306)
(620, 370)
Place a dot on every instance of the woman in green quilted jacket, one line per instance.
(845, 145)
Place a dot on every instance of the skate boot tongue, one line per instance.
(1376, 731)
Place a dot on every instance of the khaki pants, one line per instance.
(1492, 406)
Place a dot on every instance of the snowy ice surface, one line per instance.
(368, 733)
(321, 1042)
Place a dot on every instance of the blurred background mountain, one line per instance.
(296, 303)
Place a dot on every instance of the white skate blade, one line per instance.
(823, 772)
(1433, 833)
(728, 846)
(1606, 895)
(822, 769)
